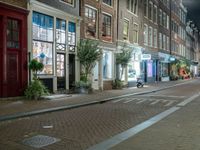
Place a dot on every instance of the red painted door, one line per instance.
(1, 56)
(13, 44)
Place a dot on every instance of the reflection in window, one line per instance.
(107, 65)
(43, 41)
(71, 36)
(125, 30)
(106, 28)
(42, 27)
(12, 33)
(90, 21)
(60, 34)
(42, 51)
(60, 65)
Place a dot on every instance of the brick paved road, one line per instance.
(81, 128)
(86, 126)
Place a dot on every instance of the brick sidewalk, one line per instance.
(20, 106)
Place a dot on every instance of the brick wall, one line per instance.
(19, 3)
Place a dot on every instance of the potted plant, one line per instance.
(36, 88)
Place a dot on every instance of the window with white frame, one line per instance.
(160, 16)
(106, 28)
(71, 36)
(60, 34)
(145, 8)
(135, 33)
(71, 2)
(90, 22)
(150, 36)
(126, 30)
(150, 10)
(167, 43)
(167, 22)
(145, 34)
(160, 40)
(155, 14)
(164, 42)
(132, 5)
(155, 38)
(108, 2)
(42, 28)
(107, 64)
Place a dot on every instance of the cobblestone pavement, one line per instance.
(8, 107)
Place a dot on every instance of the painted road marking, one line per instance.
(155, 102)
(172, 96)
(169, 103)
(106, 145)
(130, 100)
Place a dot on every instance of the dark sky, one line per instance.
(193, 7)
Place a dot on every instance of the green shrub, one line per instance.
(83, 84)
(117, 84)
(35, 90)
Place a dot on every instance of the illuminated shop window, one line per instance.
(60, 34)
(71, 36)
(43, 41)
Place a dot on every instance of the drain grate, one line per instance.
(40, 141)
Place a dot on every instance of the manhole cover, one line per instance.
(40, 141)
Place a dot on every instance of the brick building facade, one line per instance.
(99, 23)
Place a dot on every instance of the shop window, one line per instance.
(126, 29)
(90, 21)
(43, 41)
(108, 2)
(60, 65)
(71, 36)
(13, 34)
(106, 28)
(107, 65)
(60, 34)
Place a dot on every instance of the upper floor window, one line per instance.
(135, 33)
(155, 14)
(71, 2)
(145, 34)
(132, 5)
(13, 32)
(108, 2)
(126, 29)
(106, 28)
(145, 8)
(150, 10)
(90, 21)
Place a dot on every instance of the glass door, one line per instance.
(60, 71)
